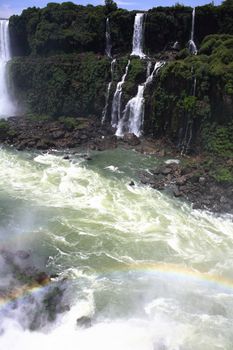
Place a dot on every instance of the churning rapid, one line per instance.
(6, 105)
(143, 271)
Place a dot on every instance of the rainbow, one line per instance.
(167, 270)
(178, 271)
(22, 291)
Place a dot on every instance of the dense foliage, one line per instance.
(69, 85)
(67, 28)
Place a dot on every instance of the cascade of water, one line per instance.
(133, 115)
(148, 69)
(138, 36)
(191, 43)
(176, 45)
(116, 103)
(189, 126)
(105, 110)
(6, 105)
(108, 49)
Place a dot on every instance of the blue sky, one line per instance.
(9, 7)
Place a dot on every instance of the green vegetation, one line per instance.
(218, 139)
(65, 85)
(223, 174)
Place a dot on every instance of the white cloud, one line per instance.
(126, 3)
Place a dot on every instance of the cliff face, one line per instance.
(62, 70)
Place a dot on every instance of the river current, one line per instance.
(149, 272)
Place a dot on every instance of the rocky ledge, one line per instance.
(192, 183)
(44, 134)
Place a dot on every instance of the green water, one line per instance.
(138, 262)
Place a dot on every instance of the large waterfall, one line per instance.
(116, 103)
(133, 116)
(138, 36)
(191, 43)
(6, 105)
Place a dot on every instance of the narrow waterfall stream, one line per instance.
(105, 110)
(108, 49)
(191, 43)
(7, 107)
(116, 103)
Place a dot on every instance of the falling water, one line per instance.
(105, 110)
(191, 43)
(176, 45)
(6, 105)
(108, 40)
(133, 116)
(116, 103)
(138, 36)
(189, 125)
(148, 69)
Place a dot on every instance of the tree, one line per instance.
(227, 3)
(111, 6)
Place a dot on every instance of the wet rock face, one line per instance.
(84, 322)
(131, 139)
(29, 295)
(188, 184)
(26, 133)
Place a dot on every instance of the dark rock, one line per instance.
(83, 137)
(84, 322)
(22, 254)
(202, 180)
(177, 192)
(162, 153)
(86, 157)
(131, 183)
(42, 278)
(131, 139)
(66, 157)
(57, 134)
(181, 180)
(166, 171)
(156, 171)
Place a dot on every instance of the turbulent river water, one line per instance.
(150, 272)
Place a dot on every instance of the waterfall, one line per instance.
(148, 69)
(191, 44)
(105, 110)
(108, 40)
(176, 45)
(133, 115)
(189, 125)
(6, 105)
(116, 103)
(138, 36)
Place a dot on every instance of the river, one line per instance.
(149, 271)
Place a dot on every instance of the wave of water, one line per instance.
(149, 271)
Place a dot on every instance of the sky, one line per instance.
(10, 7)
